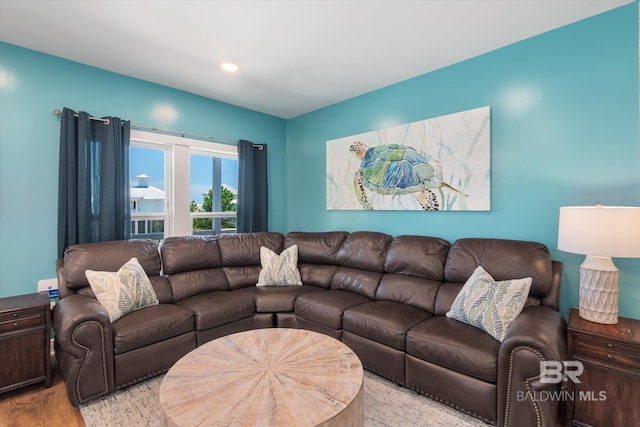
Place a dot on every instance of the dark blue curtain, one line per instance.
(93, 191)
(251, 212)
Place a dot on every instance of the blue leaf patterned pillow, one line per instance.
(279, 270)
(124, 291)
(490, 305)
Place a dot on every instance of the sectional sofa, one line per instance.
(385, 297)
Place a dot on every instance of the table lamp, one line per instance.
(599, 232)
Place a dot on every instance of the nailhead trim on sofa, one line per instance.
(86, 357)
(527, 382)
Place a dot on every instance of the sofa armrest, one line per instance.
(84, 347)
(537, 334)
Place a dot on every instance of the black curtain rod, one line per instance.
(58, 113)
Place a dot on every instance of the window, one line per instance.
(213, 186)
(147, 170)
(181, 186)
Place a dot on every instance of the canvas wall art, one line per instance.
(442, 163)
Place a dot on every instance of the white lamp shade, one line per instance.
(611, 231)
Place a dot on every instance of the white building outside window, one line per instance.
(175, 179)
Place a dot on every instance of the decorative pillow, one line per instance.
(279, 270)
(124, 291)
(490, 305)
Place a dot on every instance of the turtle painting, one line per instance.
(394, 169)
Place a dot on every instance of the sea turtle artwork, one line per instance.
(436, 164)
(394, 169)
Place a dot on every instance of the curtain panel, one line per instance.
(252, 208)
(93, 191)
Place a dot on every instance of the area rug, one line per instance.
(386, 404)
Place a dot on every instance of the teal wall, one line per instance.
(32, 85)
(564, 131)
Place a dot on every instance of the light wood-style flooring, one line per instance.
(36, 405)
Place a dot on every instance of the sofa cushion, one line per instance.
(317, 274)
(189, 253)
(123, 291)
(386, 322)
(447, 293)
(415, 291)
(420, 256)
(364, 250)
(317, 255)
(219, 308)
(357, 281)
(242, 276)
(150, 325)
(108, 256)
(316, 248)
(326, 308)
(189, 283)
(504, 260)
(162, 288)
(455, 345)
(490, 305)
(243, 249)
(279, 270)
(277, 299)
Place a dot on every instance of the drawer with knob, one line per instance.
(607, 351)
(22, 319)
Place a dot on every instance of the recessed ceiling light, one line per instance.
(228, 66)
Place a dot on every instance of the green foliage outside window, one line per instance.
(227, 205)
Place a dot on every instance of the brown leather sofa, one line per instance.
(385, 297)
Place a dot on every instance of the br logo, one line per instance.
(554, 372)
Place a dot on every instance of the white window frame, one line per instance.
(178, 219)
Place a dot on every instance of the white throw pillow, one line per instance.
(490, 305)
(279, 270)
(124, 291)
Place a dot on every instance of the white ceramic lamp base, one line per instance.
(599, 290)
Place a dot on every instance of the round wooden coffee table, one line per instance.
(266, 377)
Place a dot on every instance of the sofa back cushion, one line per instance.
(108, 256)
(162, 287)
(361, 261)
(411, 290)
(503, 260)
(317, 255)
(414, 270)
(187, 253)
(193, 265)
(420, 256)
(244, 248)
(190, 283)
(316, 248)
(241, 255)
(354, 280)
(364, 250)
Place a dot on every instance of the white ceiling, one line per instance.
(294, 56)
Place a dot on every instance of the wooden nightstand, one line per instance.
(609, 387)
(25, 324)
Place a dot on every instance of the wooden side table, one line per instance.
(609, 387)
(25, 325)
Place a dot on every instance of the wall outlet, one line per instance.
(50, 286)
(47, 284)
